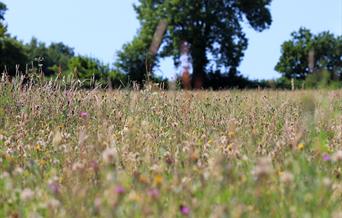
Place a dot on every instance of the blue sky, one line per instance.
(99, 28)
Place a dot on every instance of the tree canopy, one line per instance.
(213, 29)
(52, 57)
(12, 56)
(3, 10)
(324, 48)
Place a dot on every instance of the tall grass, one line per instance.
(66, 152)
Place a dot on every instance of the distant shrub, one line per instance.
(117, 79)
(321, 79)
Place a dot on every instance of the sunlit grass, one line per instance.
(73, 153)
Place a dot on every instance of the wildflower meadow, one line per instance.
(66, 152)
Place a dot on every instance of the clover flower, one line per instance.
(184, 210)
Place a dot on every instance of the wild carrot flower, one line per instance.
(327, 182)
(286, 178)
(18, 171)
(109, 155)
(337, 156)
(53, 203)
(77, 166)
(27, 194)
(263, 168)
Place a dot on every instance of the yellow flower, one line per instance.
(230, 147)
(41, 162)
(300, 146)
(133, 196)
(8, 157)
(38, 147)
(143, 179)
(231, 134)
(158, 180)
(280, 173)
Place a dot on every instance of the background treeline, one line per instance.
(307, 60)
(56, 59)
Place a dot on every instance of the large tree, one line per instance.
(3, 10)
(322, 51)
(12, 56)
(12, 52)
(213, 29)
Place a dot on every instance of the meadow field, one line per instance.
(66, 152)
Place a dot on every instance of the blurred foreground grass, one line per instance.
(73, 153)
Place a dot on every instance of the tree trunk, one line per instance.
(200, 61)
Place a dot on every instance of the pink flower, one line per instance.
(84, 114)
(326, 157)
(153, 193)
(119, 189)
(54, 187)
(184, 210)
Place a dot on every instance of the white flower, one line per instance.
(337, 156)
(4, 175)
(109, 155)
(326, 182)
(286, 178)
(53, 203)
(18, 171)
(57, 138)
(27, 194)
(263, 168)
(77, 166)
(337, 214)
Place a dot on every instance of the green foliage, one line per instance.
(87, 69)
(12, 54)
(52, 56)
(117, 79)
(285, 83)
(3, 27)
(132, 60)
(321, 79)
(327, 52)
(218, 81)
(211, 27)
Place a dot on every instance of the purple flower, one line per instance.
(119, 189)
(154, 193)
(326, 157)
(54, 187)
(84, 114)
(184, 210)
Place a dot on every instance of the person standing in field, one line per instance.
(185, 65)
